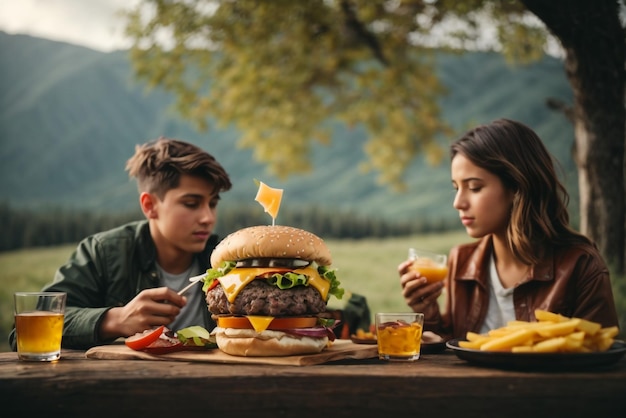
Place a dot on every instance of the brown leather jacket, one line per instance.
(573, 282)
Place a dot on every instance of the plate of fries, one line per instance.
(552, 342)
(364, 337)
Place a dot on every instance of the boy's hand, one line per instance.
(149, 309)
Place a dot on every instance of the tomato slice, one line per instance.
(213, 285)
(163, 345)
(277, 323)
(141, 340)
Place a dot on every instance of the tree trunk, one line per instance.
(593, 39)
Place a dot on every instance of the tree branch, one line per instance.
(355, 26)
(561, 106)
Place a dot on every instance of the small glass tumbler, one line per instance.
(399, 335)
(39, 325)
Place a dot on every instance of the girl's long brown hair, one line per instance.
(513, 152)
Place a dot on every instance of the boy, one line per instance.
(125, 280)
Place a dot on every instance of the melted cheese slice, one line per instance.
(269, 198)
(238, 278)
(260, 323)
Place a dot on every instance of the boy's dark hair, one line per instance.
(158, 165)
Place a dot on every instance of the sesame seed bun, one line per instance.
(271, 241)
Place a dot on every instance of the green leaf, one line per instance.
(326, 322)
(288, 280)
(215, 273)
(335, 285)
(196, 336)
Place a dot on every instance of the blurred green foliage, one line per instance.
(280, 71)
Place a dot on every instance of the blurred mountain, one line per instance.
(70, 117)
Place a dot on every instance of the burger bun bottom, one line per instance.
(268, 343)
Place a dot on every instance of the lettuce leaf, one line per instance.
(288, 280)
(282, 281)
(196, 336)
(335, 285)
(215, 273)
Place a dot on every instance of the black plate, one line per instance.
(363, 340)
(540, 361)
(432, 348)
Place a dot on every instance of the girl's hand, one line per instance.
(416, 291)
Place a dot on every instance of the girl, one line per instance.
(526, 256)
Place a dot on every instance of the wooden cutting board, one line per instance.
(339, 350)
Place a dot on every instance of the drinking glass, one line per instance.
(39, 325)
(431, 265)
(399, 335)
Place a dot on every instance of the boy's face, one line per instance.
(182, 222)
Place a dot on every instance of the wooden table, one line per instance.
(437, 385)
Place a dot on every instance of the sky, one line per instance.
(91, 23)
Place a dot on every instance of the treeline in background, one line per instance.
(28, 228)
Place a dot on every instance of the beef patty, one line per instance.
(261, 298)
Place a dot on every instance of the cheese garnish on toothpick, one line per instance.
(270, 199)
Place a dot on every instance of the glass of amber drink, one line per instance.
(399, 335)
(431, 265)
(39, 325)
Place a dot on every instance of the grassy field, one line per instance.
(366, 267)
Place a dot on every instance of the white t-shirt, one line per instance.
(501, 309)
(190, 314)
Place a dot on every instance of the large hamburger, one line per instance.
(267, 291)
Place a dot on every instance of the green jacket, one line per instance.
(109, 269)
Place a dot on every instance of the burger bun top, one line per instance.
(271, 241)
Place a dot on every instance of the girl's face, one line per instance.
(484, 204)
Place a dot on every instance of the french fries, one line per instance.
(551, 333)
(364, 335)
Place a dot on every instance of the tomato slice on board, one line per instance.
(163, 345)
(141, 340)
(277, 323)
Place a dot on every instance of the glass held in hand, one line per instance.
(431, 265)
